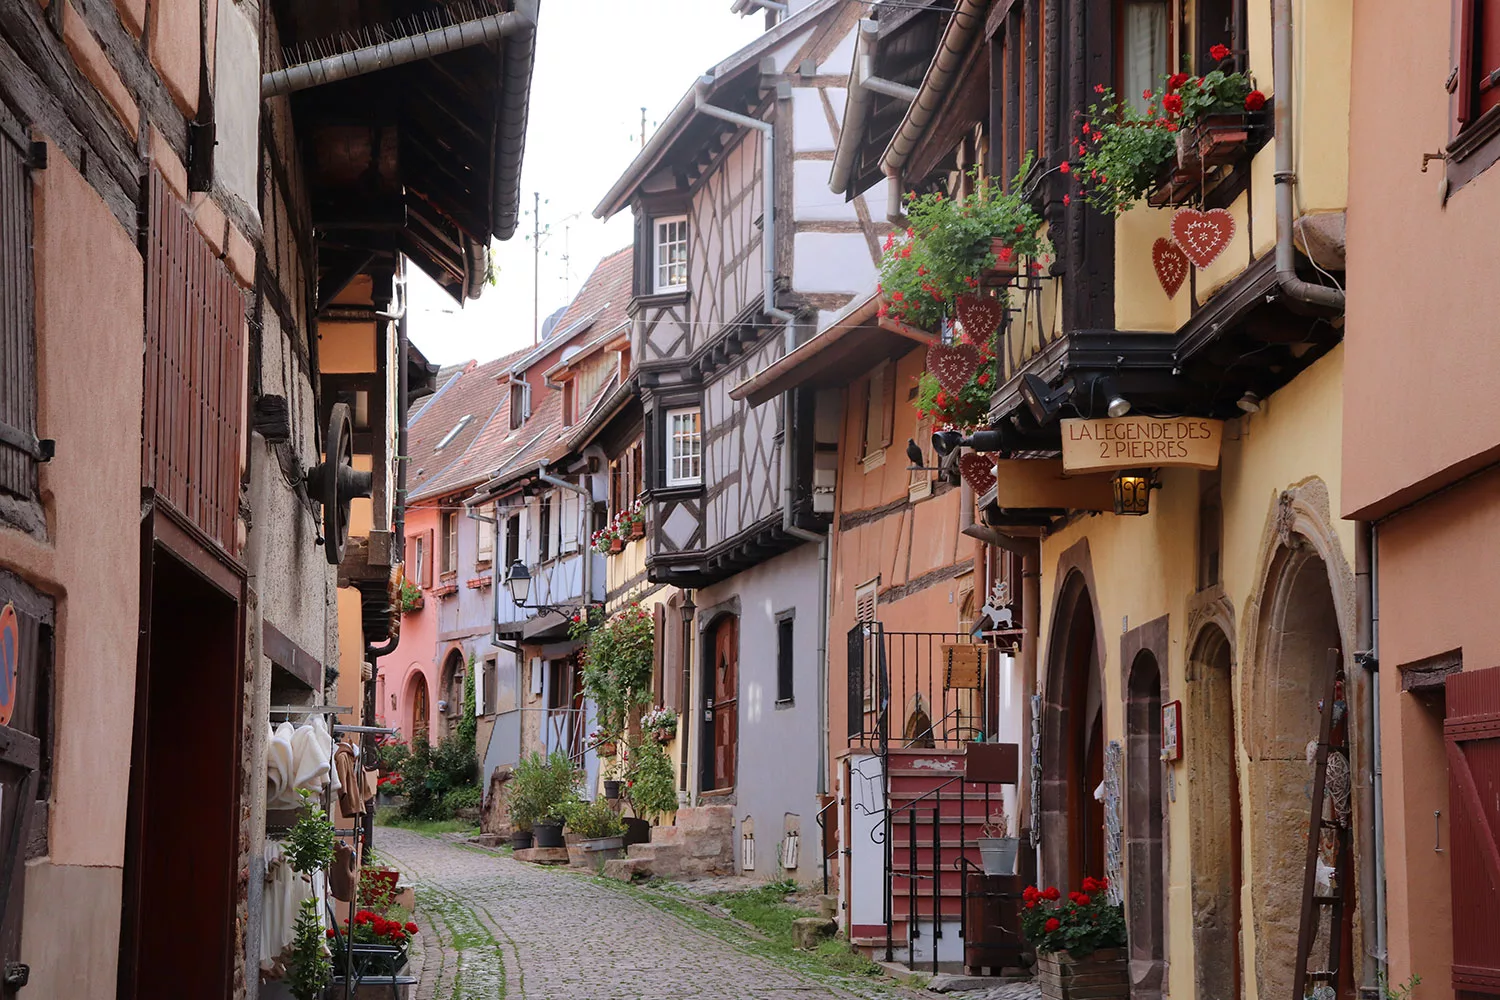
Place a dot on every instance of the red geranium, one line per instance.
(1255, 100)
(1176, 80)
(1172, 103)
(1080, 925)
(411, 928)
(1052, 924)
(1051, 893)
(1219, 52)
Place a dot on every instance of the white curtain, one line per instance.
(1144, 50)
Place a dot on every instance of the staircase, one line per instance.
(700, 842)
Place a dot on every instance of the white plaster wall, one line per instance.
(832, 262)
(237, 101)
(812, 201)
(777, 769)
(810, 131)
(789, 48)
(866, 857)
(840, 61)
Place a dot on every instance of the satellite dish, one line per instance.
(334, 482)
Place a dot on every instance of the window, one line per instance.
(570, 509)
(880, 414)
(684, 447)
(448, 438)
(512, 540)
(1216, 26)
(419, 571)
(670, 259)
(569, 404)
(544, 522)
(490, 684)
(1477, 83)
(520, 403)
(18, 450)
(1145, 28)
(864, 601)
(486, 536)
(785, 660)
(450, 542)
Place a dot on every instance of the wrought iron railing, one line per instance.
(940, 696)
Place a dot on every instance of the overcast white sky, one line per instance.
(598, 62)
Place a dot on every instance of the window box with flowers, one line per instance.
(628, 524)
(1080, 941)
(410, 597)
(1175, 147)
(661, 724)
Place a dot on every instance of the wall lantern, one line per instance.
(518, 582)
(1132, 491)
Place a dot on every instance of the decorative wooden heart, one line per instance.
(952, 365)
(1202, 235)
(1171, 265)
(978, 471)
(980, 317)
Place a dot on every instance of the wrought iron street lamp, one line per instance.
(1132, 491)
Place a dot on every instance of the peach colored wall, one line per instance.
(89, 399)
(1435, 596)
(417, 652)
(1413, 412)
(899, 547)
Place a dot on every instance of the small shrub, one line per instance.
(594, 820)
(458, 799)
(652, 781)
(541, 788)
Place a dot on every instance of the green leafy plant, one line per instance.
(1081, 924)
(410, 597)
(541, 789)
(661, 723)
(430, 773)
(968, 407)
(594, 820)
(618, 658)
(309, 844)
(456, 800)
(309, 968)
(651, 781)
(1402, 992)
(468, 722)
(1122, 148)
(950, 243)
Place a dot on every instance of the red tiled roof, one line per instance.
(474, 392)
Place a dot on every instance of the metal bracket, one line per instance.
(1428, 157)
(17, 975)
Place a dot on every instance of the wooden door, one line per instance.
(421, 710)
(725, 707)
(1472, 733)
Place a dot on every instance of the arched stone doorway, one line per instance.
(1214, 777)
(420, 705)
(1298, 625)
(1145, 862)
(1073, 737)
(451, 691)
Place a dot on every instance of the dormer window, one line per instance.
(670, 254)
(448, 438)
(520, 403)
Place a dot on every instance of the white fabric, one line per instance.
(278, 763)
(285, 891)
(1145, 50)
(297, 758)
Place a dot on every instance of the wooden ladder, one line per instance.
(1331, 739)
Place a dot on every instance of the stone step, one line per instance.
(626, 869)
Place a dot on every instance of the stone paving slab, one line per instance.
(495, 927)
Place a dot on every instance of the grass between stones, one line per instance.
(478, 969)
(391, 816)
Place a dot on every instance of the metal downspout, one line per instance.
(822, 539)
(1286, 174)
(413, 48)
(968, 17)
(1367, 641)
(768, 216)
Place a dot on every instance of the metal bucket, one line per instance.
(999, 854)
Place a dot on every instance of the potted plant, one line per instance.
(309, 968)
(604, 743)
(410, 597)
(998, 850)
(651, 781)
(542, 787)
(636, 520)
(1080, 941)
(600, 833)
(661, 723)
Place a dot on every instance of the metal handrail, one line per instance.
(823, 840)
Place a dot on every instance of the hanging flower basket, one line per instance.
(1007, 266)
(661, 724)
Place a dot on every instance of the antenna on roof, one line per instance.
(537, 232)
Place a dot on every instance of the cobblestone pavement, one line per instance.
(1009, 991)
(495, 927)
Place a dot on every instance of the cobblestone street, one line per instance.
(495, 927)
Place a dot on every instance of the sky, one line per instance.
(598, 62)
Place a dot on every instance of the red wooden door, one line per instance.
(726, 707)
(1472, 732)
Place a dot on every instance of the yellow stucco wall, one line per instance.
(1146, 567)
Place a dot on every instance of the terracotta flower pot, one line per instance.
(1004, 269)
(616, 545)
(637, 529)
(606, 749)
(665, 735)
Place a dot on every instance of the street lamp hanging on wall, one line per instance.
(518, 581)
(1132, 491)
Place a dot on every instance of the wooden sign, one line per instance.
(965, 663)
(1033, 483)
(10, 658)
(1135, 442)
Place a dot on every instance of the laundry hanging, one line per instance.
(296, 759)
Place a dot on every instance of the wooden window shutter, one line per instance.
(875, 412)
(658, 655)
(865, 602)
(428, 558)
(1463, 73)
(1471, 731)
(888, 400)
(18, 445)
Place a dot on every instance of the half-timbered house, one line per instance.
(739, 249)
(200, 447)
(1170, 755)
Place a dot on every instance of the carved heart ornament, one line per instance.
(980, 317)
(1202, 235)
(978, 471)
(952, 365)
(1171, 265)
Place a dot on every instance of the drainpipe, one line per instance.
(894, 212)
(822, 539)
(587, 553)
(1367, 640)
(370, 58)
(398, 517)
(1286, 174)
(862, 83)
(768, 216)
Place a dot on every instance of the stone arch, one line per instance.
(1302, 608)
(451, 689)
(1073, 726)
(917, 727)
(1215, 831)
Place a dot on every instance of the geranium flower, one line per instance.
(1146, 94)
(1065, 166)
(1172, 103)
(1067, 200)
(1051, 893)
(1255, 100)
(1052, 924)
(1219, 52)
(1176, 80)
(1098, 88)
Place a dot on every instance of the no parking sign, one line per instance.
(10, 656)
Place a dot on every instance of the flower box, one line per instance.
(415, 604)
(1102, 975)
(1007, 264)
(637, 529)
(606, 749)
(1220, 139)
(616, 545)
